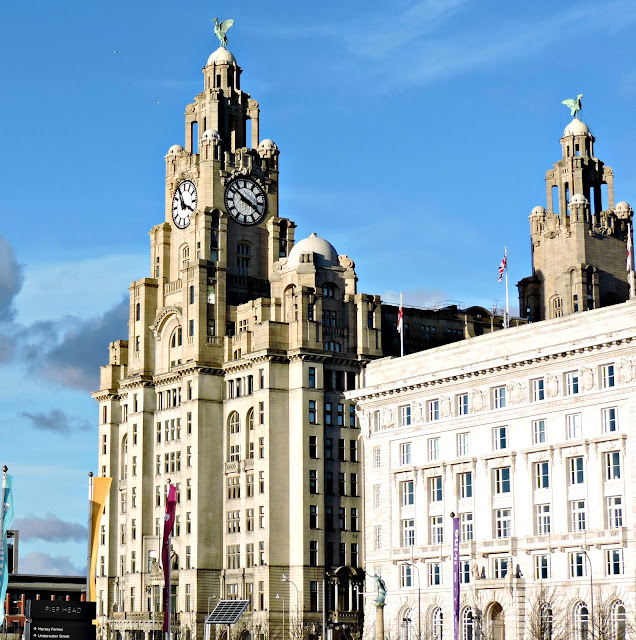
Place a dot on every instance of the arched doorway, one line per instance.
(497, 622)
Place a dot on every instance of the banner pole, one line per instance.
(90, 536)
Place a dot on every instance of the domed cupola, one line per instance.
(577, 140)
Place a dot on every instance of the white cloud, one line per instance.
(37, 562)
(82, 288)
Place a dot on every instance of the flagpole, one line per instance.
(507, 319)
(401, 328)
(90, 536)
(5, 561)
(630, 245)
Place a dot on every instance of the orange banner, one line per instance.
(101, 488)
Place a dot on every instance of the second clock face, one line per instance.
(245, 201)
(184, 203)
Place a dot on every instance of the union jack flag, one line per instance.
(502, 266)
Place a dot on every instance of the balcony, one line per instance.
(171, 287)
(231, 467)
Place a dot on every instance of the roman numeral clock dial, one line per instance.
(245, 201)
(184, 202)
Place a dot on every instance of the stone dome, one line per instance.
(576, 128)
(623, 209)
(221, 56)
(538, 211)
(175, 149)
(578, 198)
(210, 134)
(324, 252)
(267, 144)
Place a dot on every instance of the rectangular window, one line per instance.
(340, 415)
(542, 475)
(261, 413)
(578, 565)
(576, 470)
(407, 493)
(500, 440)
(353, 520)
(610, 422)
(542, 567)
(353, 451)
(313, 482)
(502, 480)
(538, 431)
(462, 404)
(312, 377)
(377, 534)
(577, 515)
(612, 465)
(571, 383)
(614, 565)
(463, 448)
(405, 415)
(328, 413)
(313, 553)
(464, 572)
(607, 376)
(573, 425)
(543, 519)
(465, 485)
(538, 390)
(434, 574)
(376, 421)
(408, 532)
(433, 410)
(406, 575)
(499, 397)
(312, 412)
(433, 448)
(341, 449)
(342, 518)
(501, 567)
(503, 523)
(342, 486)
(261, 517)
(191, 328)
(313, 595)
(352, 415)
(614, 512)
(466, 526)
(377, 457)
(435, 489)
(328, 448)
(437, 529)
(261, 482)
(405, 453)
(313, 516)
(376, 496)
(313, 447)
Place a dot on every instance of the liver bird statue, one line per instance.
(573, 105)
(220, 29)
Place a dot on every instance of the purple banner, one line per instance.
(456, 578)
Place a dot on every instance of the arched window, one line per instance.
(618, 620)
(557, 307)
(249, 420)
(406, 625)
(191, 294)
(437, 624)
(137, 311)
(331, 345)
(545, 622)
(467, 624)
(186, 252)
(581, 621)
(234, 422)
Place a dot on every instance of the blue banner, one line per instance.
(7, 517)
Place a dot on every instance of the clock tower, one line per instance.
(241, 345)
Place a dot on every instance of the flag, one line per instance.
(629, 248)
(400, 324)
(101, 488)
(455, 578)
(7, 517)
(171, 505)
(502, 266)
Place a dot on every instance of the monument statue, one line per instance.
(573, 105)
(220, 29)
(381, 585)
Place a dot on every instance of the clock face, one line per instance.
(184, 203)
(245, 201)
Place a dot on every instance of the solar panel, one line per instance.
(227, 612)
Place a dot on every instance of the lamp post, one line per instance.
(419, 618)
(591, 621)
(277, 596)
(286, 579)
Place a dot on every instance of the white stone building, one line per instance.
(528, 435)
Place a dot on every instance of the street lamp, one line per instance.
(277, 596)
(419, 618)
(286, 579)
(591, 621)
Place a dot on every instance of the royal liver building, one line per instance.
(230, 386)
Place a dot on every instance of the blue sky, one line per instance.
(414, 135)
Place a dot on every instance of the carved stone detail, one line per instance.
(478, 400)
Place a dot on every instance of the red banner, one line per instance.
(168, 523)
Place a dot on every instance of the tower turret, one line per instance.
(578, 248)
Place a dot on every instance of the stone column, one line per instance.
(379, 621)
